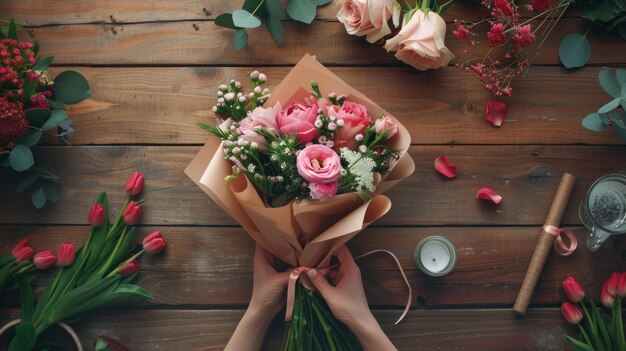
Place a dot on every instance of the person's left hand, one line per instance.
(268, 294)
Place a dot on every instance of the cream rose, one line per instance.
(420, 42)
(366, 17)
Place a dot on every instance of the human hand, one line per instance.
(268, 294)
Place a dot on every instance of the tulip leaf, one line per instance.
(244, 19)
(39, 198)
(578, 345)
(12, 30)
(593, 122)
(574, 51)
(56, 117)
(240, 39)
(21, 158)
(609, 82)
(610, 106)
(70, 87)
(302, 10)
(25, 337)
(275, 27)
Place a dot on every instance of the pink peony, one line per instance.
(323, 192)
(257, 119)
(387, 125)
(355, 120)
(366, 17)
(298, 118)
(319, 164)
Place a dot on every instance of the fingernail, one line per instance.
(312, 273)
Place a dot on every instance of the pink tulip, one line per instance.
(571, 312)
(134, 185)
(617, 284)
(573, 290)
(66, 254)
(44, 259)
(132, 213)
(154, 243)
(607, 299)
(96, 215)
(130, 268)
(21, 251)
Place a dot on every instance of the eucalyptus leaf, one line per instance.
(610, 106)
(323, 2)
(39, 198)
(21, 158)
(621, 132)
(302, 10)
(56, 117)
(30, 139)
(609, 82)
(56, 105)
(574, 51)
(275, 9)
(240, 39)
(275, 27)
(52, 192)
(255, 6)
(70, 87)
(225, 20)
(26, 182)
(36, 115)
(42, 64)
(593, 122)
(244, 19)
(621, 76)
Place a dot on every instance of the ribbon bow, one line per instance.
(559, 245)
(296, 272)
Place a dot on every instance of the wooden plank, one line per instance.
(468, 330)
(526, 176)
(213, 266)
(204, 43)
(163, 105)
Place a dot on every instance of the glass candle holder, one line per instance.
(435, 255)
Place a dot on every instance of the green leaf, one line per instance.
(30, 139)
(574, 51)
(25, 337)
(21, 158)
(254, 6)
(36, 115)
(275, 9)
(609, 82)
(323, 2)
(26, 299)
(56, 105)
(101, 345)
(56, 117)
(240, 39)
(621, 76)
(13, 30)
(302, 10)
(275, 27)
(26, 182)
(52, 192)
(610, 106)
(225, 20)
(594, 122)
(42, 64)
(244, 19)
(29, 90)
(577, 345)
(621, 132)
(39, 198)
(70, 87)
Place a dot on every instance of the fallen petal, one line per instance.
(488, 194)
(443, 166)
(495, 112)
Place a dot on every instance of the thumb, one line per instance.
(320, 282)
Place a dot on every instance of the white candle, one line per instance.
(435, 255)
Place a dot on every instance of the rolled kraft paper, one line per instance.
(544, 244)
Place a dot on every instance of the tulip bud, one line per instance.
(154, 243)
(571, 312)
(617, 284)
(387, 126)
(607, 299)
(96, 215)
(66, 254)
(573, 290)
(21, 251)
(130, 268)
(134, 184)
(132, 213)
(44, 260)
(20, 244)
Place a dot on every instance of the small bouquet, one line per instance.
(97, 275)
(22, 261)
(601, 331)
(305, 175)
(31, 103)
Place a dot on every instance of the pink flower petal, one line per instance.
(443, 166)
(495, 112)
(488, 194)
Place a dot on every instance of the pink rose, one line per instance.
(420, 43)
(319, 164)
(298, 118)
(323, 192)
(355, 120)
(366, 17)
(257, 119)
(387, 125)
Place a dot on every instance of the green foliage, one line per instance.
(574, 51)
(240, 39)
(613, 112)
(21, 158)
(608, 14)
(70, 87)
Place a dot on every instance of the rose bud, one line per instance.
(387, 126)
(96, 215)
(44, 259)
(130, 268)
(571, 312)
(21, 251)
(154, 243)
(134, 184)
(573, 290)
(607, 299)
(66, 254)
(132, 213)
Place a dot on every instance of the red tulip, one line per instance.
(154, 243)
(617, 284)
(573, 290)
(134, 184)
(44, 260)
(21, 251)
(96, 215)
(571, 312)
(66, 254)
(130, 268)
(607, 299)
(132, 213)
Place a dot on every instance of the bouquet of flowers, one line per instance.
(98, 274)
(31, 103)
(303, 178)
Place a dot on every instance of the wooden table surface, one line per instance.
(154, 67)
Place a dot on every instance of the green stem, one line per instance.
(258, 6)
(105, 267)
(593, 329)
(119, 268)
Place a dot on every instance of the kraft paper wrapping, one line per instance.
(301, 233)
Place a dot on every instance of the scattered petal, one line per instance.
(443, 166)
(495, 112)
(488, 194)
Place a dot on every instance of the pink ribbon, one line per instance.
(295, 275)
(559, 245)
